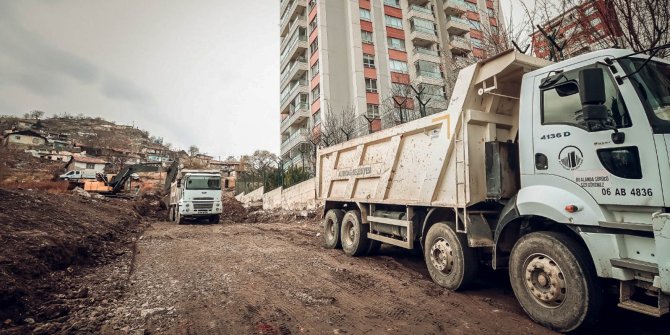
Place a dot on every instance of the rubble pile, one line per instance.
(233, 210)
(47, 237)
(151, 206)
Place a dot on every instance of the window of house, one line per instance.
(396, 43)
(366, 36)
(369, 60)
(365, 14)
(398, 66)
(315, 69)
(90, 166)
(423, 26)
(394, 3)
(371, 85)
(393, 22)
(316, 93)
(314, 46)
(425, 68)
(373, 111)
(561, 103)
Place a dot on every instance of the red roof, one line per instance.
(91, 160)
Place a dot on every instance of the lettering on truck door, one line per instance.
(612, 173)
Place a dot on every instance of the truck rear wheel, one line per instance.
(354, 234)
(554, 281)
(331, 228)
(451, 262)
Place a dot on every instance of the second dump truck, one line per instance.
(195, 194)
(558, 173)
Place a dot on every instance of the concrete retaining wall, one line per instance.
(253, 196)
(299, 197)
(272, 199)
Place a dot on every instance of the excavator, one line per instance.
(112, 187)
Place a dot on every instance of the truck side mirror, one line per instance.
(592, 95)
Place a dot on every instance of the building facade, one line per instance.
(589, 26)
(358, 54)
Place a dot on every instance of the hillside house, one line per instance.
(24, 139)
(86, 163)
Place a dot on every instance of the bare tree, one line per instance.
(644, 24)
(36, 114)
(337, 126)
(193, 150)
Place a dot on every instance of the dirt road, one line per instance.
(277, 279)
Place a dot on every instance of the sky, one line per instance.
(196, 72)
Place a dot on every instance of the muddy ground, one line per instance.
(277, 279)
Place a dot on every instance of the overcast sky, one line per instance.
(201, 72)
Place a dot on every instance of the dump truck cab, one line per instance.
(593, 146)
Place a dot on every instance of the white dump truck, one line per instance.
(195, 194)
(558, 173)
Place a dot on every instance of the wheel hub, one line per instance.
(441, 256)
(545, 280)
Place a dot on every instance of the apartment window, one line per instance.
(476, 42)
(366, 36)
(316, 117)
(398, 66)
(394, 3)
(316, 93)
(311, 4)
(595, 22)
(393, 22)
(90, 166)
(590, 10)
(370, 85)
(365, 14)
(429, 69)
(315, 69)
(401, 89)
(433, 91)
(373, 111)
(471, 6)
(313, 24)
(396, 43)
(314, 46)
(369, 61)
(475, 24)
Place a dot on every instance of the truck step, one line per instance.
(392, 241)
(639, 307)
(634, 264)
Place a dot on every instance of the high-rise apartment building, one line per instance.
(591, 25)
(356, 54)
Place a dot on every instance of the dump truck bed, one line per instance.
(435, 160)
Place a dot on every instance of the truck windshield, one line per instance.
(652, 83)
(203, 183)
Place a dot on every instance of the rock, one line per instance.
(318, 234)
(151, 311)
(29, 321)
(47, 328)
(80, 192)
(82, 293)
(54, 311)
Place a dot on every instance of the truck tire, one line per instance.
(170, 213)
(374, 247)
(178, 217)
(451, 262)
(354, 234)
(331, 228)
(215, 219)
(554, 281)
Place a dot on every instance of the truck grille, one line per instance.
(205, 198)
(202, 205)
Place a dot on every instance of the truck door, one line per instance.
(612, 173)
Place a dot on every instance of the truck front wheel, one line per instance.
(354, 234)
(331, 228)
(451, 262)
(554, 281)
(178, 217)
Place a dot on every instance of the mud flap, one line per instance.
(661, 223)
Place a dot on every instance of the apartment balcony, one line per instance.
(460, 45)
(299, 22)
(457, 25)
(454, 7)
(297, 113)
(294, 49)
(429, 77)
(421, 12)
(297, 161)
(292, 10)
(418, 2)
(299, 136)
(295, 88)
(426, 54)
(421, 36)
(293, 71)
